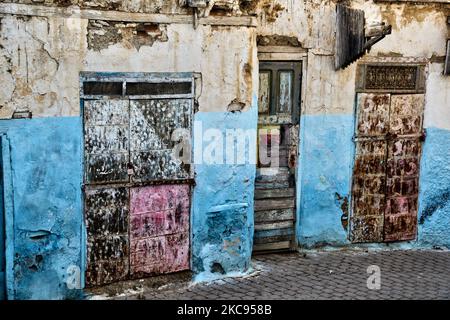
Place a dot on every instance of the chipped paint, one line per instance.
(159, 230)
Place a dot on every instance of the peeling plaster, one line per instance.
(102, 34)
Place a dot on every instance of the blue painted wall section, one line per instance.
(324, 179)
(47, 216)
(434, 198)
(222, 220)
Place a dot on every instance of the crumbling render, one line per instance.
(102, 34)
(278, 40)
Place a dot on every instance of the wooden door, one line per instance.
(137, 194)
(279, 110)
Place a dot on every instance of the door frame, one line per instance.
(291, 54)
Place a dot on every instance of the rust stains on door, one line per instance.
(403, 162)
(386, 170)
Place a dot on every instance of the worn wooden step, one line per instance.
(274, 204)
(282, 245)
(271, 239)
(274, 225)
(274, 215)
(274, 193)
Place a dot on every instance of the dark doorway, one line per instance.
(278, 128)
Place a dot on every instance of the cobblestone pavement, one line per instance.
(325, 275)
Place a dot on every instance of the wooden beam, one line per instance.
(76, 12)
(447, 60)
(414, 1)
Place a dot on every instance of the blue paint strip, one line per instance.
(2, 238)
(9, 215)
(434, 197)
(45, 205)
(325, 171)
(222, 219)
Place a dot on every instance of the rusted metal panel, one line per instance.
(373, 114)
(391, 78)
(402, 189)
(386, 171)
(152, 123)
(403, 163)
(368, 194)
(406, 114)
(106, 140)
(159, 229)
(106, 216)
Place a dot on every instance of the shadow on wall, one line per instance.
(434, 198)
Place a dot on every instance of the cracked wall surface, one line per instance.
(41, 58)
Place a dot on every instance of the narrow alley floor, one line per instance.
(320, 275)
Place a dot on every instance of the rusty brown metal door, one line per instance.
(137, 195)
(279, 109)
(386, 170)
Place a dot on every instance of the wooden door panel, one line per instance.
(152, 124)
(106, 216)
(106, 141)
(159, 229)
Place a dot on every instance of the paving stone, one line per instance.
(332, 275)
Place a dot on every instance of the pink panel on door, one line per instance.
(159, 236)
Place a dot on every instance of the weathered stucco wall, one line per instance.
(326, 150)
(41, 59)
(223, 199)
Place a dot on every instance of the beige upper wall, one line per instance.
(419, 34)
(41, 57)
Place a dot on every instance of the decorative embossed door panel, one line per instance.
(159, 229)
(386, 170)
